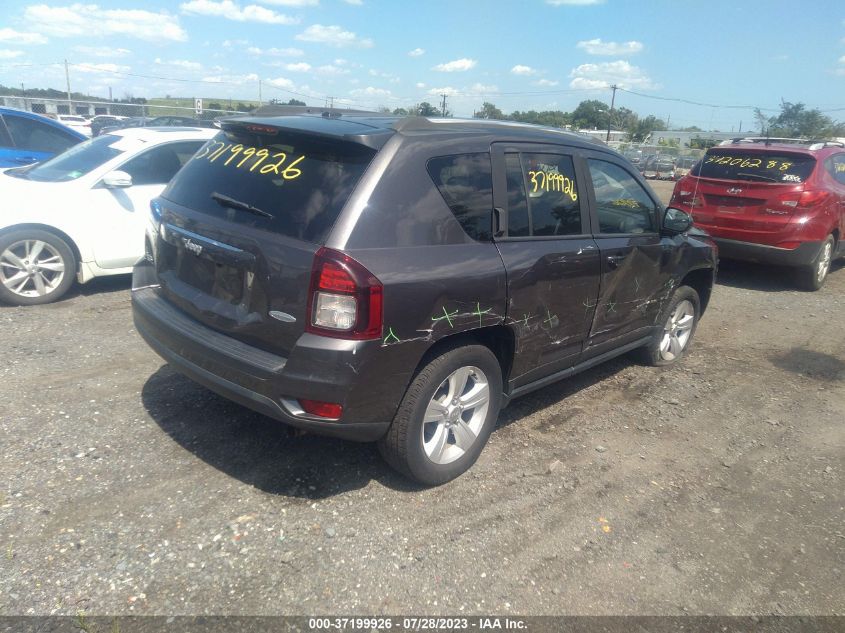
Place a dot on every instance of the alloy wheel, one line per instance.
(455, 415)
(677, 331)
(31, 268)
(824, 261)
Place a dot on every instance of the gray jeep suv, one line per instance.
(401, 280)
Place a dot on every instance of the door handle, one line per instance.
(613, 261)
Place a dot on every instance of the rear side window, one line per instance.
(466, 183)
(542, 195)
(836, 166)
(158, 165)
(756, 166)
(300, 181)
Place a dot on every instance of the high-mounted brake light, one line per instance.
(345, 300)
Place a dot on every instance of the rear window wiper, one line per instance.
(226, 201)
(758, 177)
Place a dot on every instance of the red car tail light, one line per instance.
(686, 193)
(787, 203)
(345, 300)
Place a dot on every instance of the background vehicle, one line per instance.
(159, 121)
(101, 121)
(27, 138)
(772, 203)
(683, 166)
(75, 122)
(363, 286)
(658, 168)
(83, 212)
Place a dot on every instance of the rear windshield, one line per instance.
(759, 167)
(301, 182)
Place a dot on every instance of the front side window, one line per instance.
(158, 165)
(542, 195)
(622, 205)
(466, 183)
(37, 136)
(5, 139)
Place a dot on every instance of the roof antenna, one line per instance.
(768, 142)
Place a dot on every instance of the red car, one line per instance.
(771, 202)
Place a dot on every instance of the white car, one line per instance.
(84, 212)
(75, 122)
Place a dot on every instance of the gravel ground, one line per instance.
(715, 487)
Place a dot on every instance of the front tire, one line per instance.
(812, 278)
(446, 416)
(35, 267)
(680, 320)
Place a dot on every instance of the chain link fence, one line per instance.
(88, 109)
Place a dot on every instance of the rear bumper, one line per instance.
(258, 379)
(764, 254)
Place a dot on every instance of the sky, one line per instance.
(692, 63)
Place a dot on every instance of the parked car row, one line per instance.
(400, 280)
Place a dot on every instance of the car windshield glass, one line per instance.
(78, 160)
(778, 167)
(299, 183)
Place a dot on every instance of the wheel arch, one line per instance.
(49, 229)
(701, 280)
(499, 339)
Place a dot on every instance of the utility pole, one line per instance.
(110, 97)
(331, 102)
(259, 92)
(610, 114)
(443, 105)
(67, 79)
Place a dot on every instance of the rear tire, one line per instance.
(680, 320)
(446, 416)
(812, 278)
(36, 267)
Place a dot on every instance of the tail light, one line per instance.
(345, 300)
(685, 193)
(787, 203)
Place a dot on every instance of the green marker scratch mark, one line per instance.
(524, 319)
(550, 319)
(391, 335)
(480, 312)
(446, 315)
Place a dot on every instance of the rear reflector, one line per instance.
(327, 410)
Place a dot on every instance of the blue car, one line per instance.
(27, 138)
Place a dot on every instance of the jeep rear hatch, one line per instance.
(242, 221)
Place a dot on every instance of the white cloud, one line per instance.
(5, 53)
(416, 52)
(275, 52)
(11, 36)
(281, 82)
(519, 69)
(370, 91)
(574, 3)
(299, 67)
(457, 65)
(621, 73)
(598, 47)
(292, 3)
(481, 89)
(333, 36)
(102, 51)
(330, 70)
(235, 43)
(449, 91)
(232, 79)
(231, 11)
(546, 82)
(89, 20)
(420, 85)
(101, 68)
(356, 3)
(179, 63)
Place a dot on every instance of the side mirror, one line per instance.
(676, 221)
(117, 180)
